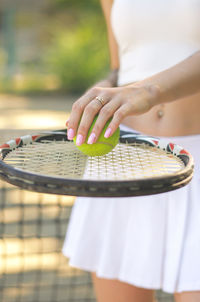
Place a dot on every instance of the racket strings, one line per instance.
(135, 161)
(63, 159)
(56, 158)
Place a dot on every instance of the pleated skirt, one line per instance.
(151, 242)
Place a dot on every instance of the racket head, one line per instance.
(89, 185)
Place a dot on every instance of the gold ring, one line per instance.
(101, 100)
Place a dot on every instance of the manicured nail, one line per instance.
(66, 123)
(70, 133)
(79, 140)
(107, 133)
(91, 138)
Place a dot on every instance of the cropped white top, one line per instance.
(154, 35)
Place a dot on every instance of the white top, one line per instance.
(154, 35)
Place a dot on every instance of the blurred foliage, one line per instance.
(78, 57)
(91, 5)
(78, 53)
(71, 50)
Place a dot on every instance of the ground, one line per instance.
(28, 112)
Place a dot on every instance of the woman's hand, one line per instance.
(117, 102)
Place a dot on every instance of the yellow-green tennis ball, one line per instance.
(103, 145)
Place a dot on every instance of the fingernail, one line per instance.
(107, 133)
(79, 140)
(66, 123)
(91, 138)
(70, 133)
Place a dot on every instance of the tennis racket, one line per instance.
(48, 162)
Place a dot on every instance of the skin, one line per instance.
(176, 91)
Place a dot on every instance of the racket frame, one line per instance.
(93, 188)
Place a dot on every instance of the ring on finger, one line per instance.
(100, 100)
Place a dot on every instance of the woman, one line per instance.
(135, 245)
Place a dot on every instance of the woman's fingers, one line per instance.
(90, 111)
(105, 113)
(117, 119)
(77, 111)
(87, 118)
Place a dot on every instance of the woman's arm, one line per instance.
(175, 83)
(111, 79)
(113, 47)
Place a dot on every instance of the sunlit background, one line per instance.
(51, 45)
(51, 51)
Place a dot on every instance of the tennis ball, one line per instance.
(103, 145)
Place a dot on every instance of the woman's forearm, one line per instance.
(175, 83)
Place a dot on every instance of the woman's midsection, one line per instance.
(181, 117)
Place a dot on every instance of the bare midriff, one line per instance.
(177, 118)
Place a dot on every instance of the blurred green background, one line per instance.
(51, 46)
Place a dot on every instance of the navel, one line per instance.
(160, 112)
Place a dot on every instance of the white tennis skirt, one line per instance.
(151, 242)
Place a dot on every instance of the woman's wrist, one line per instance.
(151, 92)
(113, 77)
(155, 94)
